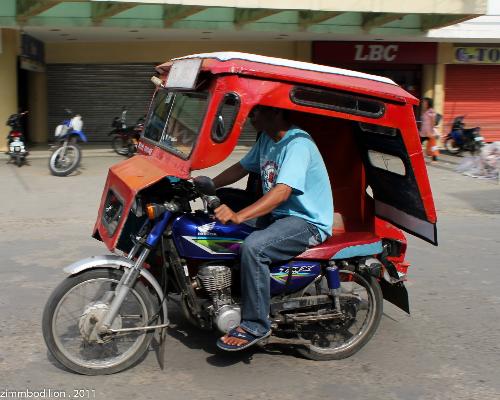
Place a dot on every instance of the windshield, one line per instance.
(175, 120)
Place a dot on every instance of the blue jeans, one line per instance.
(278, 240)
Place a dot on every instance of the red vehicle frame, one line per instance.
(375, 118)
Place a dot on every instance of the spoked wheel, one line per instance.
(451, 146)
(120, 145)
(75, 308)
(361, 303)
(65, 160)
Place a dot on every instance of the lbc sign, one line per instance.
(376, 52)
(345, 53)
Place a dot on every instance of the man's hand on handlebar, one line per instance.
(224, 214)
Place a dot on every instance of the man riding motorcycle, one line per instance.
(289, 216)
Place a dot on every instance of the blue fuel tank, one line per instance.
(202, 237)
(198, 236)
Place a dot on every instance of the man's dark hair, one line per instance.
(430, 102)
(284, 112)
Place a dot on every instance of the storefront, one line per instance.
(402, 62)
(472, 88)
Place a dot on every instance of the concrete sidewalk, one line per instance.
(89, 150)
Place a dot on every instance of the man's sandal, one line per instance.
(235, 333)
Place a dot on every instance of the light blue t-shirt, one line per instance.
(295, 161)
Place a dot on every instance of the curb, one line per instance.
(39, 154)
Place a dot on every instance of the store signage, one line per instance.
(333, 53)
(477, 55)
(376, 52)
(32, 56)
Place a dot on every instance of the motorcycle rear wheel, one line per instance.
(451, 146)
(19, 160)
(333, 341)
(71, 348)
(120, 145)
(64, 164)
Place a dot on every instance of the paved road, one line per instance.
(449, 348)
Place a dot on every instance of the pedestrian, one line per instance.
(427, 128)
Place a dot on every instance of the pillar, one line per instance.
(8, 79)
(37, 106)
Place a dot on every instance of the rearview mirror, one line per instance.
(157, 81)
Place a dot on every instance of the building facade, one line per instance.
(96, 57)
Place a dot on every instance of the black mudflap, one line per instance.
(396, 294)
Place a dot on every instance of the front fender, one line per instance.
(117, 262)
(80, 135)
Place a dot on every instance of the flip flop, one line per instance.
(234, 333)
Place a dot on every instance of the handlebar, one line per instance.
(212, 202)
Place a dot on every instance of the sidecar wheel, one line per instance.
(71, 310)
(338, 341)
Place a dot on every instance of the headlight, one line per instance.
(113, 208)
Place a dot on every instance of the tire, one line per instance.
(131, 148)
(57, 169)
(451, 146)
(119, 144)
(19, 160)
(57, 297)
(374, 291)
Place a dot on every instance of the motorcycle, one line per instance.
(125, 138)
(463, 139)
(66, 155)
(327, 301)
(17, 151)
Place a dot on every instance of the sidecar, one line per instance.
(363, 125)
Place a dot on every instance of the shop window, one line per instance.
(337, 101)
(225, 118)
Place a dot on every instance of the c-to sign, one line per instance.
(484, 55)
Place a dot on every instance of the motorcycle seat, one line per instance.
(343, 245)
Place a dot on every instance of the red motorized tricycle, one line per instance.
(326, 302)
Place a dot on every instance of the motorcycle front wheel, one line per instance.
(451, 146)
(361, 303)
(64, 160)
(19, 160)
(75, 308)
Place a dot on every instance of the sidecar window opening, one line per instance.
(225, 117)
(388, 168)
(338, 101)
(184, 122)
(158, 115)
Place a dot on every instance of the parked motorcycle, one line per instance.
(125, 138)
(66, 155)
(463, 139)
(16, 148)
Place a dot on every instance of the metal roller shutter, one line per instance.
(99, 91)
(474, 91)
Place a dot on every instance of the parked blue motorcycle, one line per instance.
(66, 155)
(461, 139)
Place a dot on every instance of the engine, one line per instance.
(215, 280)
